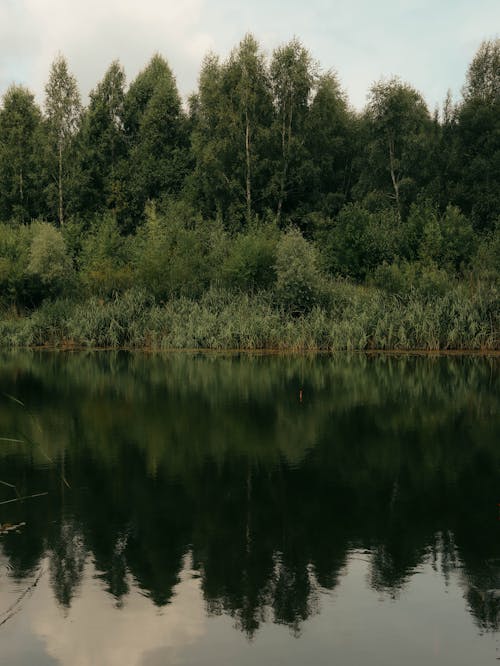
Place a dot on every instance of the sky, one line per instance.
(428, 43)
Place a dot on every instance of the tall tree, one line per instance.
(399, 128)
(63, 111)
(293, 74)
(20, 139)
(478, 129)
(330, 133)
(102, 145)
(156, 131)
(209, 184)
(232, 116)
(483, 76)
(252, 109)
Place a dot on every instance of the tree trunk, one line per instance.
(395, 183)
(285, 149)
(21, 193)
(60, 187)
(248, 174)
(283, 171)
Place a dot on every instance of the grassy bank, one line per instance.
(351, 318)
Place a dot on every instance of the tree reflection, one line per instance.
(216, 457)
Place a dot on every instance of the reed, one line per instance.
(351, 318)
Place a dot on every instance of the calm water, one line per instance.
(198, 512)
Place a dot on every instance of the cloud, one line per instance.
(427, 43)
(93, 33)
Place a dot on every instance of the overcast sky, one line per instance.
(429, 43)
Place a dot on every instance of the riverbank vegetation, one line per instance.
(264, 213)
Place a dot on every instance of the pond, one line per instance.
(251, 509)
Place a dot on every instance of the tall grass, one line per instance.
(352, 318)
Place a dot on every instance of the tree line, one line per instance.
(266, 178)
(267, 137)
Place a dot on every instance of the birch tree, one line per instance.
(252, 112)
(399, 128)
(293, 75)
(63, 111)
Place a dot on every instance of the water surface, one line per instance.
(216, 509)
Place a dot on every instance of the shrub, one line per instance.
(48, 259)
(358, 241)
(251, 261)
(16, 284)
(105, 267)
(298, 278)
(405, 277)
(173, 255)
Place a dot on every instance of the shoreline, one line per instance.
(250, 351)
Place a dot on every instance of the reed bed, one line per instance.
(351, 318)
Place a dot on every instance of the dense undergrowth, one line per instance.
(179, 284)
(357, 318)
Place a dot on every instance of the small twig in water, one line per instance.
(20, 499)
(10, 612)
(10, 485)
(11, 397)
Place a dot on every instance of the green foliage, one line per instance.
(293, 75)
(477, 159)
(231, 116)
(104, 262)
(49, 260)
(483, 76)
(486, 262)
(15, 244)
(357, 318)
(250, 263)
(446, 240)
(298, 277)
(404, 278)
(357, 241)
(330, 134)
(102, 147)
(175, 252)
(156, 132)
(63, 115)
(398, 134)
(267, 191)
(20, 167)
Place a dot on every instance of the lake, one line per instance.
(249, 509)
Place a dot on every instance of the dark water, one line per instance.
(199, 513)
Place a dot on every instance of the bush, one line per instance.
(105, 268)
(251, 261)
(486, 261)
(299, 283)
(176, 256)
(405, 277)
(447, 241)
(48, 259)
(358, 241)
(15, 283)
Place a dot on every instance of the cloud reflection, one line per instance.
(96, 632)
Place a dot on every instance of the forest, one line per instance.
(262, 212)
